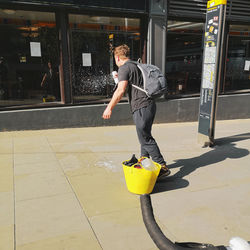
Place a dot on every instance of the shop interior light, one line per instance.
(193, 26)
(9, 12)
(34, 35)
(32, 29)
(178, 24)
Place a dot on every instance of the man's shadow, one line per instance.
(224, 148)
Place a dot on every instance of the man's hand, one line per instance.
(107, 113)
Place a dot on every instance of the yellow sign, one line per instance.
(213, 3)
(111, 36)
(211, 29)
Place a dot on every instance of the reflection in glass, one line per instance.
(93, 39)
(184, 57)
(238, 59)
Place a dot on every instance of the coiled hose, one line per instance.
(161, 241)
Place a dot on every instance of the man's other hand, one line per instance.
(107, 113)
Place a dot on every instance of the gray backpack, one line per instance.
(154, 82)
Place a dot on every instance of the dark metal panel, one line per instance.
(179, 110)
(237, 10)
(129, 5)
(195, 8)
(240, 10)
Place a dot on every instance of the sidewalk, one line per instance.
(64, 189)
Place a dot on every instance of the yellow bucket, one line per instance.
(140, 180)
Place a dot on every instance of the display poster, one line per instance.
(35, 49)
(247, 65)
(86, 60)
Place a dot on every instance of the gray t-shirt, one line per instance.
(137, 98)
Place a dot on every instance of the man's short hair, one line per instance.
(123, 51)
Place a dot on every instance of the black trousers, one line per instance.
(143, 119)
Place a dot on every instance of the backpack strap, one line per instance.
(135, 86)
(143, 76)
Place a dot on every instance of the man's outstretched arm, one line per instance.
(117, 96)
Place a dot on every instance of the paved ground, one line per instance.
(65, 190)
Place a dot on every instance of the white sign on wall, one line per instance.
(86, 59)
(247, 65)
(35, 49)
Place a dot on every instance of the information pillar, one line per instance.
(211, 68)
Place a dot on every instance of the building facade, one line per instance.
(57, 55)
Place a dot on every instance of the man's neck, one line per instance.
(124, 61)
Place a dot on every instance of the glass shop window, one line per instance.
(238, 60)
(92, 41)
(28, 58)
(184, 57)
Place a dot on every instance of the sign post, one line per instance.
(211, 68)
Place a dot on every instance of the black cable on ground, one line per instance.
(161, 241)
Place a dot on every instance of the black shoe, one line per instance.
(131, 162)
(164, 172)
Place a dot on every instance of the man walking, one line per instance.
(142, 107)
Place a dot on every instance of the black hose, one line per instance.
(153, 229)
(161, 241)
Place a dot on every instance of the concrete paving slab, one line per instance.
(38, 185)
(73, 241)
(7, 220)
(6, 134)
(52, 218)
(33, 166)
(6, 145)
(6, 172)
(34, 158)
(7, 237)
(27, 133)
(122, 230)
(7, 208)
(79, 146)
(211, 215)
(101, 193)
(33, 144)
